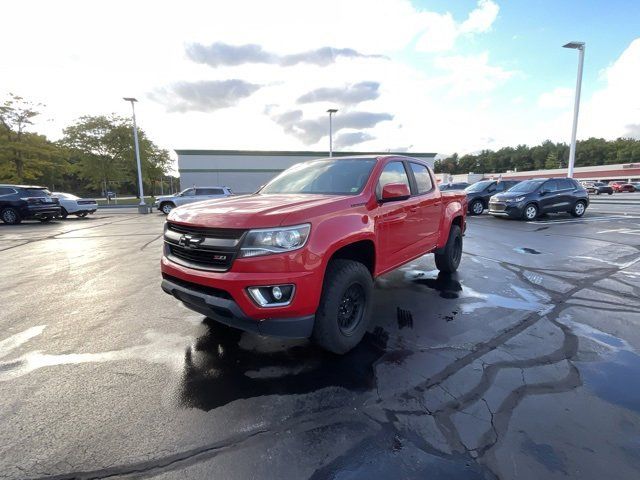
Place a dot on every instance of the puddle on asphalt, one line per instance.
(612, 378)
(449, 287)
(526, 250)
(219, 368)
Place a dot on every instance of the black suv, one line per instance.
(531, 198)
(23, 202)
(453, 186)
(478, 194)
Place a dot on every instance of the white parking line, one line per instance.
(584, 220)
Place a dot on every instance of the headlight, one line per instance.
(518, 199)
(266, 241)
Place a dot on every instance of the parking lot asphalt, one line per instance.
(524, 364)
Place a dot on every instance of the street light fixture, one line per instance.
(331, 111)
(142, 207)
(580, 46)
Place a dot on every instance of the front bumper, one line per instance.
(502, 209)
(221, 307)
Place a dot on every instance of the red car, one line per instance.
(299, 257)
(622, 187)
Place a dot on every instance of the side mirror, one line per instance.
(393, 192)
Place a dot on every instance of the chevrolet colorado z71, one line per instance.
(299, 257)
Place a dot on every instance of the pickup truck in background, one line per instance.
(299, 257)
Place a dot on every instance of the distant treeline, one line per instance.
(95, 154)
(594, 151)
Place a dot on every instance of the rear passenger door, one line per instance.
(428, 201)
(566, 189)
(549, 197)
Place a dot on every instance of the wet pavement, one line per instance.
(525, 364)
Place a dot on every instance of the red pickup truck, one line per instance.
(298, 258)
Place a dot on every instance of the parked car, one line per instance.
(453, 186)
(167, 203)
(27, 202)
(531, 198)
(636, 185)
(479, 193)
(598, 188)
(620, 187)
(73, 205)
(298, 258)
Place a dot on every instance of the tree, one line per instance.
(103, 153)
(551, 161)
(24, 156)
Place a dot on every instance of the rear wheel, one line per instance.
(578, 209)
(343, 315)
(10, 216)
(530, 212)
(166, 207)
(476, 207)
(82, 214)
(449, 259)
(45, 219)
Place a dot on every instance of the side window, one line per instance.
(209, 191)
(501, 187)
(551, 186)
(422, 176)
(565, 184)
(190, 193)
(6, 191)
(493, 187)
(393, 172)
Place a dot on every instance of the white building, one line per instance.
(244, 171)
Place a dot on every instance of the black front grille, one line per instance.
(205, 248)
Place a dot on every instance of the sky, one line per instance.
(422, 76)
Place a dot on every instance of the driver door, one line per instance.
(187, 197)
(393, 226)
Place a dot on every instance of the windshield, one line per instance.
(478, 187)
(527, 186)
(332, 177)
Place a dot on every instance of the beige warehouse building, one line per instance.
(245, 170)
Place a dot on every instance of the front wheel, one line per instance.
(578, 209)
(448, 260)
(10, 216)
(610, 193)
(476, 207)
(63, 213)
(530, 212)
(166, 208)
(343, 315)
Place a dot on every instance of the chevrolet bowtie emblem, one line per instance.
(190, 241)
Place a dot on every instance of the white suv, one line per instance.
(167, 203)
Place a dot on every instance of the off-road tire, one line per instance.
(448, 259)
(340, 277)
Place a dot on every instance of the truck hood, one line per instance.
(251, 211)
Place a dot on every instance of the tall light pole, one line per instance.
(580, 46)
(331, 111)
(142, 207)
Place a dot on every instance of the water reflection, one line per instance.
(220, 367)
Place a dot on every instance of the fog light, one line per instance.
(272, 295)
(277, 293)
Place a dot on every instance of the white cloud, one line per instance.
(442, 31)
(560, 97)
